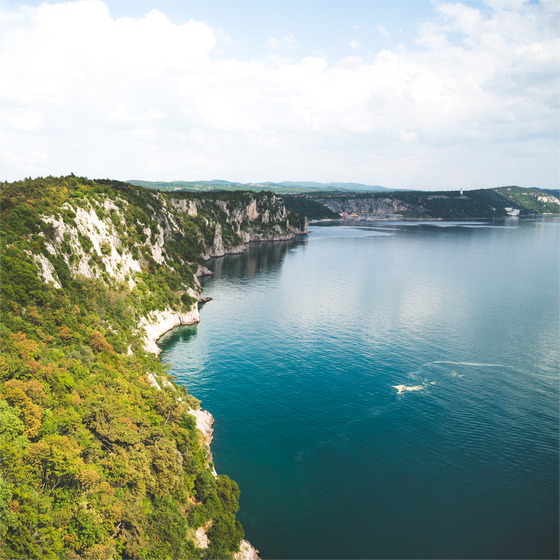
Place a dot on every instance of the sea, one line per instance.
(386, 389)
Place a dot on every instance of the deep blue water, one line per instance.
(297, 357)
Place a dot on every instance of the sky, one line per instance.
(404, 94)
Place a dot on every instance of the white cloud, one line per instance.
(26, 120)
(273, 43)
(288, 41)
(354, 44)
(83, 92)
(382, 30)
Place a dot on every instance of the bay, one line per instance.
(299, 353)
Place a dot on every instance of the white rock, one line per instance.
(247, 552)
(160, 322)
(201, 538)
(153, 382)
(46, 269)
(204, 422)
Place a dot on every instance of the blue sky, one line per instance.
(318, 28)
(414, 94)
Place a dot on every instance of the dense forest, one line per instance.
(101, 455)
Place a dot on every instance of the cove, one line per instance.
(299, 357)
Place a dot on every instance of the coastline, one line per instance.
(401, 219)
(168, 319)
(404, 220)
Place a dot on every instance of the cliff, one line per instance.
(106, 456)
(371, 207)
(481, 203)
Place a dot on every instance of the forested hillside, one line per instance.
(101, 455)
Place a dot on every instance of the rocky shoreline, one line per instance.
(164, 321)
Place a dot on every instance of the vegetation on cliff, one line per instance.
(101, 457)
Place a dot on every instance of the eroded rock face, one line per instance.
(201, 537)
(101, 241)
(187, 206)
(257, 219)
(203, 271)
(46, 269)
(218, 249)
(106, 243)
(369, 206)
(251, 211)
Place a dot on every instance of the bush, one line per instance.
(205, 485)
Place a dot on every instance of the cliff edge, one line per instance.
(108, 458)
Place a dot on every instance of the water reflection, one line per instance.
(259, 258)
(183, 334)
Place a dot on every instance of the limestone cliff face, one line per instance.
(253, 218)
(125, 235)
(370, 207)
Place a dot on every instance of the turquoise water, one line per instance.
(297, 357)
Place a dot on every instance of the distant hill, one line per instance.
(284, 187)
(354, 187)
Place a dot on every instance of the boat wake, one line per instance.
(470, 364)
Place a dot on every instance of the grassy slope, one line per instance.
(97, 463)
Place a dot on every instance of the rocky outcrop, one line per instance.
(204, 422)
(247, 552)
(159, 322)
(203, 271)
(201, 537)
(98, 238)
(46, 269)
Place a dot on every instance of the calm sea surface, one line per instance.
(298, 355)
